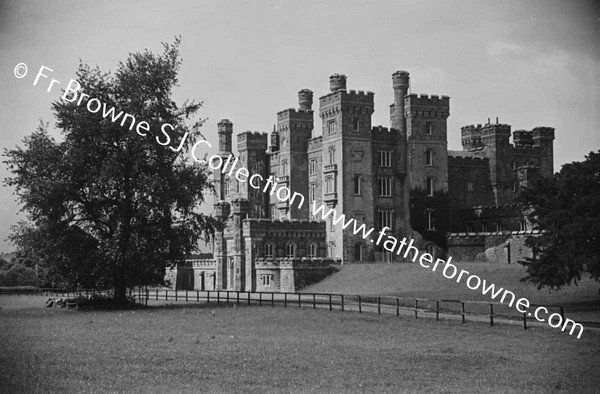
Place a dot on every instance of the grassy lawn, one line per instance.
(208, 348)
(411, 280)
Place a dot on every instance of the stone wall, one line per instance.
(501, 247)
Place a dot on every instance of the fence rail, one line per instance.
(420, 307)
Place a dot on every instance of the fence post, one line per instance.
(237, 297)
(330, 306)
(156, 294)
(166, 295)
(462, 310)
(299, 300)
(359, 305)
(437, 309)
(248, 298)
(260, 299)
(314, 301)
(285, 300)
(342, 302)
(272, 298)
(416, 308)
(176, 294)
(397, 307)
(197, 295)
(378, 305)
(524, 321)
(218, 297)
(208, 296)
(491, 315)
(186, 296)
(227, 297)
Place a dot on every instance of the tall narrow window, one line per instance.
(428, 157)
(484, 227)
(356, 124)
(331, 155)
(430, 187)
(385, 187)
(430, 220)
(429, 128)
(358, 252)
(311, 249)
(357, 185)
(312, 167)
(331, 127)
(269, 250)
(385, 218)
(522, 225)
(311, 192)
(290, 249)
(329, 185)
(227, 187)
(498, 226)
(385, 158)
(266, 280)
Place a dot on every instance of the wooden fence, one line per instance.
(419, 307)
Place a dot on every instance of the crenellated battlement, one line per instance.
(202, 263)
(252, 140)
(526, 150)
(546, 133)
(462, 161)
(423, 105)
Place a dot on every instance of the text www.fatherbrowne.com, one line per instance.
(282, 193)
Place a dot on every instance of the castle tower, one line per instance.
(347, 184)
(222, 210)
(289, 163)
(225, 130)
(543, 138)
(252, 150)
(400, 83)
(427, 163)
(235, 271)
(496, 137)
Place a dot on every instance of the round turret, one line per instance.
(305, 99)
(337, 82)
(401, 79)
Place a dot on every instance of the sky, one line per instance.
(529, 63)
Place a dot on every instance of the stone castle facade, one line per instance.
(402, 177)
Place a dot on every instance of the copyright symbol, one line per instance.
(20, 70)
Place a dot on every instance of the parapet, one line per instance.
(225, 126)
(401, 80)
(252, 140)
(315, 143)
(337, 82)
(427, 106)
(522, 138)
(462, 161)
(545, 133)
(305, 99)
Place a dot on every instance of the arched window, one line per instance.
(311, 249)
(290, 249)
(358, 252)
(269, 249)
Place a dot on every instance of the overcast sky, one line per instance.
(530, 63)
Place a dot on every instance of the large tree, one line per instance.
(566, 210)
(108, 206)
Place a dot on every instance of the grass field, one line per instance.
(581, 302)
(206, 348)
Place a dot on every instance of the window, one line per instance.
(428, 157)
(284, 168)
(470, 187)
(469, 227)
(227, 187)
(312, 188)
(311, 249)
(385, 158)
(498, 226)
(387, 256)
(331, 225)
(266, 280)
(312, 167)
(331, 249)
(522, 225)
(430, 220)
(357, 185)
(513, 164)
(385, 187)
(356, 124)
(385, 218)
(484, 227)
(331, 155)
(273, 211)
(428, 128)
(331, 127)
(269, 250)
(237, 186)
(358, 252)
(430, 187)
(290, 249)
(329, 185)
(515, 187)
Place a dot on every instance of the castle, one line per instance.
(403, 177)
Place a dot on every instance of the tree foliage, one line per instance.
(566, 208)
(108, 206)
